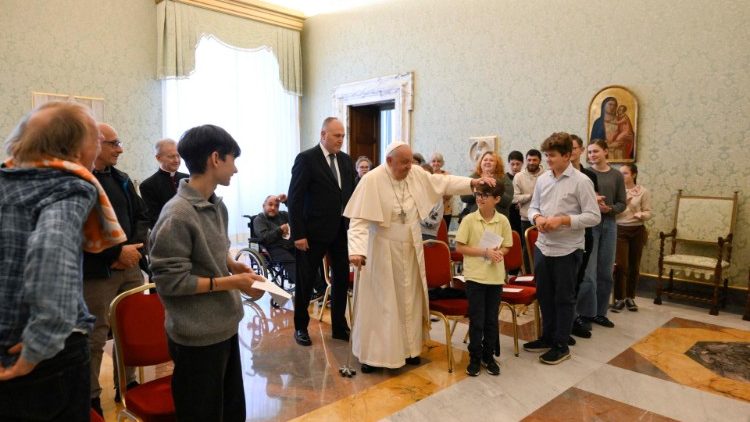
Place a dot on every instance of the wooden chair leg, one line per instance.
(657, 299)
(537, 319)
(515, 328)
(453, 328)
(448, 342)
(715, 298)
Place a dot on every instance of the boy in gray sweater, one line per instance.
(199, 282)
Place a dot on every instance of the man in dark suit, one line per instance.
(161, 186)
(322, 183)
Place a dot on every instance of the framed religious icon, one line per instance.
(478, 145)
(613, 117)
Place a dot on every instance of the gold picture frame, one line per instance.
(478, 145)
(613, 117)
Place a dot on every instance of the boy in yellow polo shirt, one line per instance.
(484, 237)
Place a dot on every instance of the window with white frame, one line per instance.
(239, 90)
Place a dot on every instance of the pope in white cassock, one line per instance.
(391, 316)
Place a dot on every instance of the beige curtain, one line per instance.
(181, 26)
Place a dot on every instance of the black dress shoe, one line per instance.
(341, 335)
(579, 330)
(413, 361)
(603, 321)
(367, 369)
(302, 338)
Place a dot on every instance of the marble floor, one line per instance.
(668, 362)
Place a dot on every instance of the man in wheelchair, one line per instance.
(271, 227)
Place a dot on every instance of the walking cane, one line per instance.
(347, 371)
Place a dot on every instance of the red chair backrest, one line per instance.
(532, 234)
(514, 259)
(442, 233)
(437, 263)
(140, 330)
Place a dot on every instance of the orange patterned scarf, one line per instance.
(101, 229)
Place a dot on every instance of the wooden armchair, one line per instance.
(704, 227)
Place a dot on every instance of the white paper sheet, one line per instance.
(525, 278)
(278, 294)
(512, 290)
(490, 240)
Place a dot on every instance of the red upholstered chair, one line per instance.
(94, 417)
(516, 295)
(437, 264)
(514, 261)
(531, 235)
(442, 235)
(137, 322)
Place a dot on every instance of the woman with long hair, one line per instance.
(490, 165)
(631, 236)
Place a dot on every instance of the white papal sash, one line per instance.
(396, 233)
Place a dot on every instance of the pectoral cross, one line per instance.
(402, 214)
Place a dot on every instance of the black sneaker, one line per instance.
(579, 329)
(473, 369)
(555, 355)
(603, 321)
(630, 303)
(618, 306)
(492, 367)
(536, 346)
(571, 341)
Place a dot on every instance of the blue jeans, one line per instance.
(56, 390)
(594, 292)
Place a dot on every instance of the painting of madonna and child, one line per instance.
(613, 116)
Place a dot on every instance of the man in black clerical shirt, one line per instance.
(161, 186)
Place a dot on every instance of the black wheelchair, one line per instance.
(259, 259)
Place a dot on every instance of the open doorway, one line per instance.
(370, 130)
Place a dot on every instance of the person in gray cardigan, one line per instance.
(199, 282)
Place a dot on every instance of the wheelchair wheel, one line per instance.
(255, 261)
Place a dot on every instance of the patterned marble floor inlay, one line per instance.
(730, 360)
(704, 356)
(284, 381)
(579, 405)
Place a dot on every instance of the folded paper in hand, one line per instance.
(490, 240)
(279, 295)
